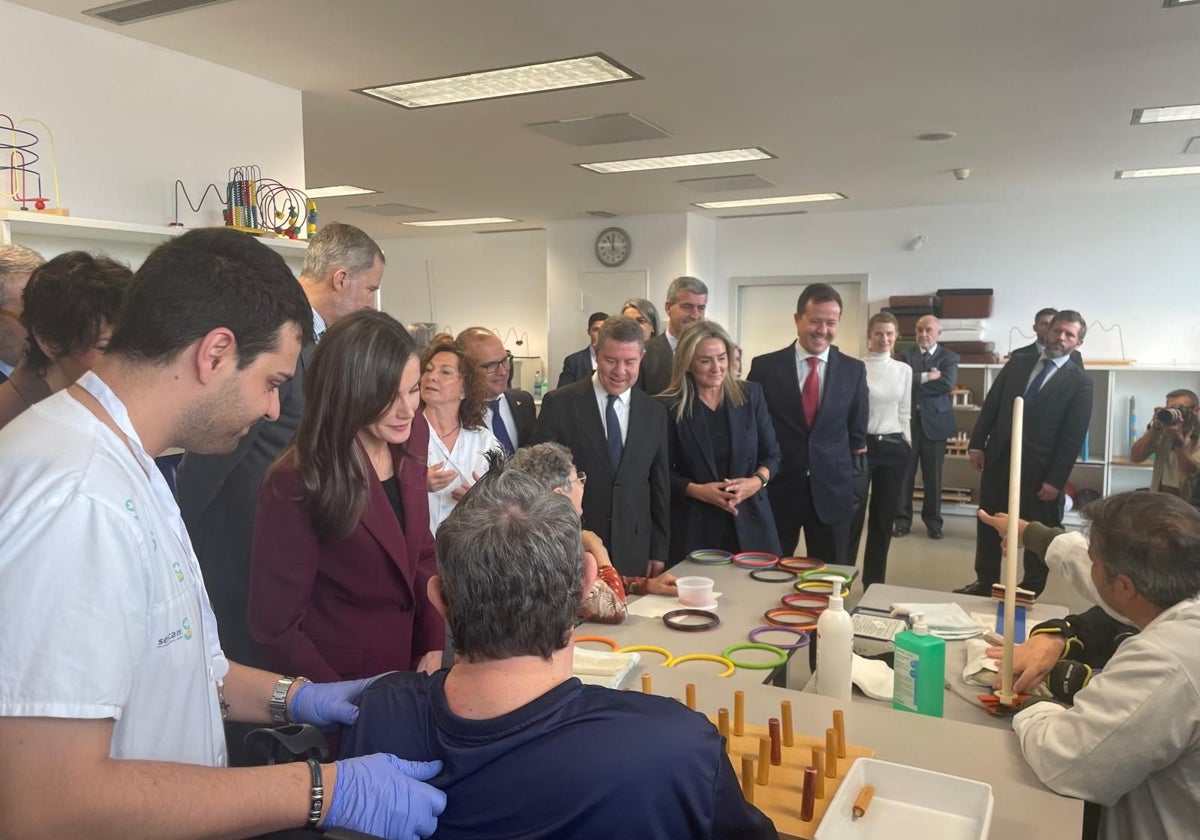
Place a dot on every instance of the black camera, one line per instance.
(1170, 416)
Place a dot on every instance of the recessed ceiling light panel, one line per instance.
(583, 71)
(1123, 174)
(1169, 3)
(332, 192)
(1167, 113)
(610, 167)
(485, 220)
(935, 136)
(779, 199)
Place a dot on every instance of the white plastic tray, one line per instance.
(909, 803)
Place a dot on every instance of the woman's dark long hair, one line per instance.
(349, 382)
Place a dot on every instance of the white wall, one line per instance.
(495, 280)
(1131, 259)
(129, 118)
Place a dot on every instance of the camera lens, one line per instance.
(1169, 416)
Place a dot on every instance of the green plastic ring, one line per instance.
(819, 574)
(756, 666)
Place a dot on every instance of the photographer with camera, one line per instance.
(1173, 437)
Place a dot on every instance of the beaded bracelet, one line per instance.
(705, 657)
(769, 575)
(710, 557)
(316, 795)
(755, 560)
(756, 666)
(671, 619)
(773, 616)
(801, 564)
(802, 636)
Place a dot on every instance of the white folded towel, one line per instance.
(599, 667)
(946, 621)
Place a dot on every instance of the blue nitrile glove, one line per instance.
(324, 704)
(386, 796)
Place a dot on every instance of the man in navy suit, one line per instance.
(618, 437)
(687, 301)
(509, 415)
(1058, 408)
(1041, 328)
(935, 371)
(817, 399)
(582, 363)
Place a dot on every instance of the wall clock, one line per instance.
(613, 247)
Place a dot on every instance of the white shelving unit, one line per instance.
(1107, 468)
(51, 235)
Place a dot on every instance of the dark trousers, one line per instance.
(794, 511)
(993, 497)
(888, 457)
(930, 455)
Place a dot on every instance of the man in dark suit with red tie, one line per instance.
(1058, 408)
(817, 399)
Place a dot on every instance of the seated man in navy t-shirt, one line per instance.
(529, 751)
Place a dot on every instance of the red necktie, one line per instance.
(810, 397)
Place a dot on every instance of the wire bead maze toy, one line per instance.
(19, 164)
(257, 205)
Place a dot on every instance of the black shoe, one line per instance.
(935, 533)
(975, 588)
(900, 529)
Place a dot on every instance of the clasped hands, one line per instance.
(727, 494)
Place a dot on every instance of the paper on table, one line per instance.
(946, 621)
(656, 606)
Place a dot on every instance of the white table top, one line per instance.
(1024, 808)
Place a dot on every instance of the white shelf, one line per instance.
(17, 224)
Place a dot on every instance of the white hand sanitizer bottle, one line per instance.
(835, 648)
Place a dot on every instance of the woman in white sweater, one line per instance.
(889, 445)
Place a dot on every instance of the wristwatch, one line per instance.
(277, 705)
(759, 476)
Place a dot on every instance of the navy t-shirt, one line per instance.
(578, 762)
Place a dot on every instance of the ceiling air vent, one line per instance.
(135, 11)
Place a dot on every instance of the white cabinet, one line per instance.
(1106, 468)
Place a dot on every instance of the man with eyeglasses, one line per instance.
(509, 414)
(687, 301)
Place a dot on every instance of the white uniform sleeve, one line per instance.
(1118, 732)
(73, 610)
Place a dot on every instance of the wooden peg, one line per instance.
(818, 761)
(776, 741)
(748, 778)
(808, 799)
(739, 713)
(839, 726)
(690, 694)
(785, 708)
(863, 802)
(764, 760)
(830, 753)
(723, 726)
(646, 684)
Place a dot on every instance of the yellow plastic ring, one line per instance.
(649, 649)
(604, 640)
(705, 657)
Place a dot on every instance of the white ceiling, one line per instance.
(1040, 92)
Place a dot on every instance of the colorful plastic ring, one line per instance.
(772, 617)
(801, 564)
(666, 654)
(756, 666)
(705, 657)
(710, 557)
(770, 575)
(671, 619)
(755, 560)
(826, 573)
(604, 640)
(825, 587)
(805, 601)
(802, 636)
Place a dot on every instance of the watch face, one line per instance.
(613, 246)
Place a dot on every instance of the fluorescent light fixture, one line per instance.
(759, 202)
(1169, 3)
(1123, 174)
(486, 220)
(332, 192)
(1168, 113)
(581, 71)
(609, 167)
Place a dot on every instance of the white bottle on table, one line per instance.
(835, 649)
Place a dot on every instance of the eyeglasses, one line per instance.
(581, 477)
(492, 367)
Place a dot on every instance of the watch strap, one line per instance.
(277, 705)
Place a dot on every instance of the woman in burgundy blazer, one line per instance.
(342, 548)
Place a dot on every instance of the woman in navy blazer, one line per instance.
(723, 450)
(342, 550)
